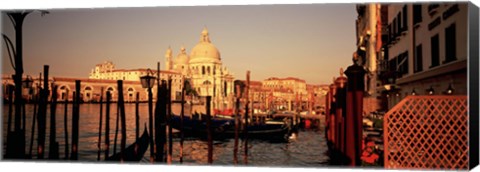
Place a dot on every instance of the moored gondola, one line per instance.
(135, 151)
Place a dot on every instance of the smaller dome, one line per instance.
(182, 57)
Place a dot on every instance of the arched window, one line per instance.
(203, 70)
(208, 70)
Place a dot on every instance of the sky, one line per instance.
(308, 41)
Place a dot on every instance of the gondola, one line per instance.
(197, 127)
(224, 128)
(273, 131)
(135, 151)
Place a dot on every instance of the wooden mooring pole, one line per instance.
(237, 124)
(42, 115)
(116, 130)
(34, 119)
(65, 127)
(137, 116)
(99, 144)
(53, 146)
(209, 131)
(169, 120)
(182, 115)
(123, 120)
(245, 128)
(107, 124)
(160, 123)
(75, 121)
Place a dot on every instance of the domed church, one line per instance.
(205, 70)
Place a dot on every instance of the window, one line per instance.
(399, 23)
(418, 64)
(450, 44)
(402, 64)
(394, 28)
(404, 17)
(203, 70)
(435, 51)
(417, 14)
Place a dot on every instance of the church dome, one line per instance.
(204, 51)
(182, 57)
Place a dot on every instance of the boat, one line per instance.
(196, 126)
(269, 130)
(224, 128)
(135, 151)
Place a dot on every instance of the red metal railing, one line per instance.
(427, 132)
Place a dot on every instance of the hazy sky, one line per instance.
(307, 41)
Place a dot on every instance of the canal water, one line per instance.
(308, 149)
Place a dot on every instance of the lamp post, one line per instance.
(147, 82)
(17, 19)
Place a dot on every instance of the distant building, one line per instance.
(425, 51)
(369, 31)
(205, 70)
(283, 94)
(107, 71)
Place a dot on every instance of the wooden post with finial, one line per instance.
(340, 83)
(354, 110)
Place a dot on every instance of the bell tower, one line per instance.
(168, 59)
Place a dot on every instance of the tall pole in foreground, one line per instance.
(355, 89)
(237, 123)
(42, 115)
(121, 103)
(53, 146)
(209, 131)
(65, 125)
(182, 115)
(107, 124)
(137, 116)
(245, 128)
(75, 121)
(169, 119)
(99, 145)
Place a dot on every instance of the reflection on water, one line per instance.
(309, 148)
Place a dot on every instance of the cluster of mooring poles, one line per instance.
(344, 114)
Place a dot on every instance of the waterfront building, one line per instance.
(425, 51)
(369, 31)
(203, 68)
(106, 71)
